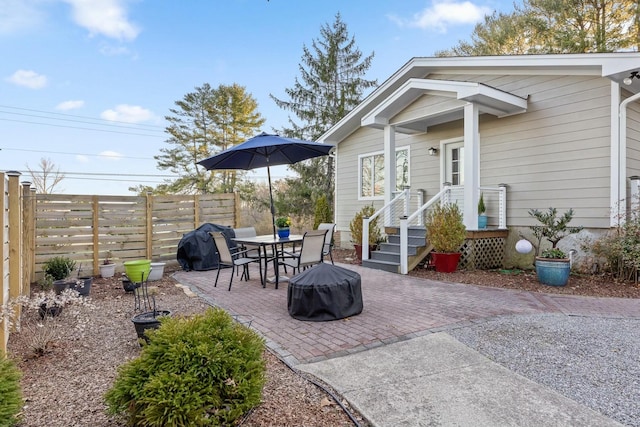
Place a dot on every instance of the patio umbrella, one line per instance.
(265, 150)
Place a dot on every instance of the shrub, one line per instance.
(619, 249)
(445, 228)
(10, 394)
(203, 370)
(43, 316)
(322, 212)
(59, 267)
(355, 226)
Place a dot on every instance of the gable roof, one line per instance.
(389, 97)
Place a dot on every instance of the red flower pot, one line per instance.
(446, 262)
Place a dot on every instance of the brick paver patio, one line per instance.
(396, 308)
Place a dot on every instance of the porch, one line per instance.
(407, 244)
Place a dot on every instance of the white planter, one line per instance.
(157, 270)
(107, 270)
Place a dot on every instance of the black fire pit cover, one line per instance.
(324, 292)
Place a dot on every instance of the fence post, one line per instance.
(27, 233)
(95, 226)
(149, 227)
(4, 283)
(236, 209)
(196, 211)
(15, 237)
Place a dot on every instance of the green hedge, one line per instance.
(205, 370)
(10, 393)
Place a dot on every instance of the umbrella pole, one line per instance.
(273, 209)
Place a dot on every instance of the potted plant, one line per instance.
(482, 216)
(148, 319)
(553, 267)
(108, 267)
(446, 232)
(355, 226)
(82, 284)
(283, 225)
(58, 269)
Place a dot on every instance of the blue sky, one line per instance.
(87, 83)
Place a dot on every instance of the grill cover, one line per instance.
(324, 292)
(196, 250)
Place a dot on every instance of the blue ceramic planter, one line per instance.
(482, 221)
(553, 272)
(283, 232)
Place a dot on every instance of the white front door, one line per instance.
(453, 162)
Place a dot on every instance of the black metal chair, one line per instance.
(233, 258)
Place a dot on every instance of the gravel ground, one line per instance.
(593, 361)
(65, 386)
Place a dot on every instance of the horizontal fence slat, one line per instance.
(64, 226)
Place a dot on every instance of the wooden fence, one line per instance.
(86, 228)
(36, 227)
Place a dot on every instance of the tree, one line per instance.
(556, 26)
(331, 84)
(47, 178)
(204, 123)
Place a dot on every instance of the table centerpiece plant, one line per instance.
(283, 224)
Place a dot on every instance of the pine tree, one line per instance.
(205, 123)
(331, 84)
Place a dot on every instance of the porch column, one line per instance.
(389, 166)
(471, 166)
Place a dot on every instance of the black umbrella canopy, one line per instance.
(265, 150)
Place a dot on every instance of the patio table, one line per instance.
(264, 242)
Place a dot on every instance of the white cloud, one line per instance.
(127, 113)
(106, 17)
(111, 155)
(70, 105)
(444, 13)
(17, 15)
(28, 78)
(108, 50)
(82, 158)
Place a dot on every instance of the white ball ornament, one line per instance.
(524, 246)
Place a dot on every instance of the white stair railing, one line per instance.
(443, 196)
(399, 206)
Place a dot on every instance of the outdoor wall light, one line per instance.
(629, 80)
(433, 151)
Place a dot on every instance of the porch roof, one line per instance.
(489, 100)
(614, 66)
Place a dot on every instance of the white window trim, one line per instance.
(375, 153)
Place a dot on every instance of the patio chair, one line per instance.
(232, 258)
(310, 252)
(253, 251)
(328, 239)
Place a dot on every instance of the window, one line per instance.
(371, 173)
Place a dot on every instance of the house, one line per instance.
(527, 132)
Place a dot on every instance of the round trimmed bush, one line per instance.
(10, 393)
(204, 370)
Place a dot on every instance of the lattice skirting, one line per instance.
(482, 253)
